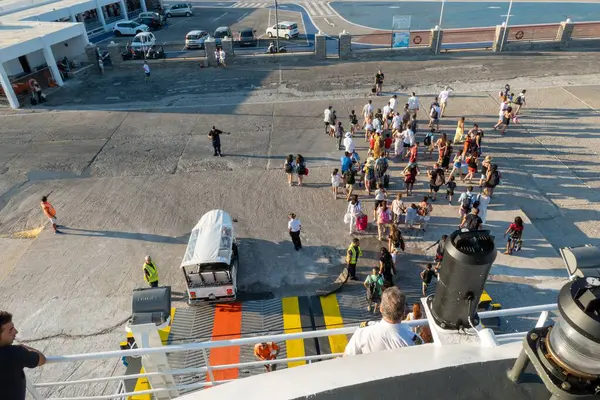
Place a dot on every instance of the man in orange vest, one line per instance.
(267, 351)
(50, 212)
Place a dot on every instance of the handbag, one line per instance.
(306, 169)
(347, 218)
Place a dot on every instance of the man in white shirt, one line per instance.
(387, 334)
(294, 227)
(386, 114)
(393, 102)
(327, 119)
(443, 98)
(396, 121)
(349, 143)
(408, 140)
(413, 104)
(367, 110)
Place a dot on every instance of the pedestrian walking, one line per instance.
(471, 221)
(450, 187)
(350, 178)
(414, 315)
(443, 98)
(267, 351)
(465, 202)
(380, 198)
(520, 101)
(410, 177)
(472, 165)
(413, 104)
(348, 143)
(486, 165)
(424, 212)
(327, 119)
(353, 122)
(367, 112)
(222, 55)
(395, 242)
(336, 182)
(426, 276)
(294, 227)
(352, 255)
(374, 285)
(436, 180)
(484, 201)
(13, 359)
(492, 179)
(37, 96)
(289, 166)
(379, 82)
(439, 251)
(146, 68)
(387, 269)
(215, 136)
(393, 102)
(508, 115)
(515, 235)
(504, 104)
(354, 211)
(389, 333)
(460, 131)
(434, 115)
(218, 57)
(150, 272)
(49, 212)
(398, 208)
(339, 134)
(384, 219)
(301, 169)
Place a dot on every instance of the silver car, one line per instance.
(179, 9)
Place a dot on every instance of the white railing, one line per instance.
(208, 369)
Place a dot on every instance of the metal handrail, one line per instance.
(203, 346)
(279, 337)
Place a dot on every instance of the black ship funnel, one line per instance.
(468, 257)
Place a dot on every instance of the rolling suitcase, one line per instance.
(361, 223)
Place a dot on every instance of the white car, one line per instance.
(286, 30)
(129, 28)
(143, 40)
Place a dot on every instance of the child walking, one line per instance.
(336, 182)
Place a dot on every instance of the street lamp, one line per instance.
(276, 28)
(441, 14)
(506, 26)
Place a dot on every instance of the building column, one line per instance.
(345, 45)
(143, 4)
(435, 41)
(73, 19)
(101, 16)
(8, 89)
(320, 46)
(500, 37)
(124, 10)
(51, 61)
(564, 32)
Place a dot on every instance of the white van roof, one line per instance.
(211, 240)
(288, 23)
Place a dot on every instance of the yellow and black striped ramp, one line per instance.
(256, 318)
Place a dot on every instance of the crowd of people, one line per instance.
(392, 134)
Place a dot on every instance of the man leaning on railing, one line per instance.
(13, 358)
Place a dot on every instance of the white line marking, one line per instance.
(330, 9)
(310, 8)
(236, 5)
(242, 17)
(304, 27)
(220, 16)
(328, 21)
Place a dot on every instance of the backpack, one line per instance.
(427, 140)
(301, 169)
(439, 178)
(288, 168)
(385, 217)
(466, 203)
(349, 175)
(380, 167)
(370, 174)
(372, 289)
(388, 267)
(471, 222)
(494, 179)
(434, 113)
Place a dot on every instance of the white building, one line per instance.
(34, 34)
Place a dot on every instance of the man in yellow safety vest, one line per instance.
(150, 272)
(352, 255)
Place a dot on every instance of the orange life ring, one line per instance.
(519, 35)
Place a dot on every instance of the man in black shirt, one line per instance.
(13, 358)
(378, 82)
(215, 135)
(426, 277)
(472, 221)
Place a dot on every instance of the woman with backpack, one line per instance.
(288, 167)
(515, 233)
(387, 269)
(384, 219)
(374, 285)
(369, 173)
(301, 169)
(508, 115)
(492, 179)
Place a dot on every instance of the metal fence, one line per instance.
(205, 347)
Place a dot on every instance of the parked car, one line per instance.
(179, 10)
(143, 40)
(152, 22)
(221, 32)
(287, 30)
(152, 14)
(247, 37)
(129, 28)
(195, 39)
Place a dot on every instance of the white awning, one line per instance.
(211, 240)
